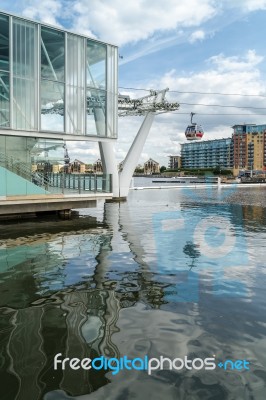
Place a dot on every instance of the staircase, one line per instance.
(22, 169)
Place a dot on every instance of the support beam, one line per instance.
(109, 163)
(150, 105)
(133, 155)
(121, 180)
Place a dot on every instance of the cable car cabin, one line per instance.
(194, 132)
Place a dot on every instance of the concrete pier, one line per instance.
(18, 205)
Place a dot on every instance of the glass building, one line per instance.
(55, 83)
(207, 154)
(55, 86)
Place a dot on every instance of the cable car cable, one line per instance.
(219, 105)
(199, 113)
(214, 93)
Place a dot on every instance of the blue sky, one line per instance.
(193, 45)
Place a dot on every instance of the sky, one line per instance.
(203, 46)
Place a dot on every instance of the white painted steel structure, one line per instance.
(148, 106)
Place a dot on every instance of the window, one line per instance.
(96, 65)
(96, 88)
(52, 80)
(4, 73)
(24, 75)
(75, 85)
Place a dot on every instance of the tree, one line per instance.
(139, 170)
(162, 169)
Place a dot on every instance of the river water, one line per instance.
(171, 272)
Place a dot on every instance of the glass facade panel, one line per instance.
(52, 106)
(24, 48)
(24, 104)
(52, 83)
(96, 118)
(25, 51)
(4, 43)
(96, 79)
(96, 65)
(75, 85)
(4, 73)
(52, 54)
(4, 100)
(112, 91)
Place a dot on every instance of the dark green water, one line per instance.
(169, 273)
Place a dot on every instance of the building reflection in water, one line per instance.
(63, 294)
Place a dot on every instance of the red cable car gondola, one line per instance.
(194, 131)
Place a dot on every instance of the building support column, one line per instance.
(109, 164)
(121, 179)
(133, 155)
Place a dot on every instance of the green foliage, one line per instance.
(207, 171)
(139, 171)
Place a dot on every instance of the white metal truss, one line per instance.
(154, 102)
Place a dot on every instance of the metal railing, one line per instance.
(22, 169)
(58, 182)
(16, 166)
(81, 183)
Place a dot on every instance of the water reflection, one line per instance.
(191, 250)
(100, 291)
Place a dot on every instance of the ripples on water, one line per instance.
(115, 284)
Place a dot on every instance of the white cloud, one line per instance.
(253, 5)
(47, 11)
(136, 20)
(197, 35)
(239, 75)
(236, 63)
(118, 22)
(153, 27)
(246, 5)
